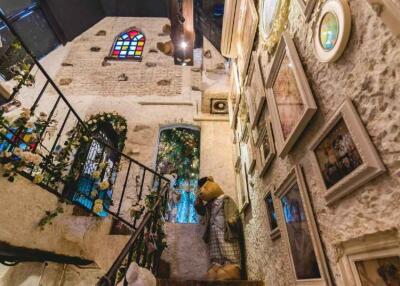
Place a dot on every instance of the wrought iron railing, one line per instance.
(134, 194)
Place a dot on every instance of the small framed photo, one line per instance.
(289, 96)
(242, 183)
(332, 31)
(234, 97)
(266, 148)
(344, 154)
(388, 11)
(371, 260)
(300, 231)
(307, 7)
(246, 32)
(255, 92)
(271, 215)
(252, 155)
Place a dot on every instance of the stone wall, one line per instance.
(368, 73)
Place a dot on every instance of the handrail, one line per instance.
(108, 277)
(53, 84)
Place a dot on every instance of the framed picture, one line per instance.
(266, 148)
(289, 97)
(234, 97)
(271, 215)
(246, 32)
(307, 7)
(332, 31)
(255, 92)
(388, 11)
(268, 12)
(252, 155)
(344, 154)
(242, 184)
(373, 260)
(300, 231)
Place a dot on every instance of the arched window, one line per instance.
(128, 45)
(178, 158)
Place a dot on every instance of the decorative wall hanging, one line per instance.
(332, 31)
(273, 20)
(344, 154)
(219, 106)
(388, 11)
(300, 231)
(271, 215)
(234, 96)
(231, 15)
(266, 148)
(289, 97)
(254, 90)
(371, 260)
(128, 45)
(246, 32)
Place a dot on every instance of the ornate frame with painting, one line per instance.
(246, 32)
(243, 185)
(265, 144)
(373, 260)
(344, 154)
(388, 11)
(307, 7)
(255, 92)
(300, 231)
(273, 20)
(272, 217)
(289, 96)
(234, 96)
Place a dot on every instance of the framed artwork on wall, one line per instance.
(344, 154)
(255, 92)
(388, 11)
(371, 260)
(273, 20)
(266, 147)
(332, 31)
(271, 214)
(289, 96)
(246, 32)
(300, 231)
(242, 184)
(252, 155)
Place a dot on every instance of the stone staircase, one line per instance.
(171, 282)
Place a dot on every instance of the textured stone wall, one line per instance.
(368, 73)
(89, 75)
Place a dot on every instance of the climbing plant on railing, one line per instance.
(23, 132)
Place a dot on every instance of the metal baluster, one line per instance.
(124, 188)
(33, 108)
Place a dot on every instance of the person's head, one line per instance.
(208, 189)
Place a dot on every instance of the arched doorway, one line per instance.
(178, 157)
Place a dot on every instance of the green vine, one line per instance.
(49, 216)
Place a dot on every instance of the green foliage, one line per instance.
(49, 216)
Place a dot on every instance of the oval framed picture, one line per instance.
(268, 11)
(332, 30)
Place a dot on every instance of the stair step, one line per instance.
(171, 282)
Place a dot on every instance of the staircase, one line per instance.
(65, 156)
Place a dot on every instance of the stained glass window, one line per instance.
(129, 45)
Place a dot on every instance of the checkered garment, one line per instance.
(221, 251)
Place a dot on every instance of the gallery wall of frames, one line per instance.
(314, 110)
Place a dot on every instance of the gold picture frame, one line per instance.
(300, 231)
(246, 32)
(289, 96)
(254, 90)
(368, 259)
(272, 215)
(234, 97)
(266, 148)
(344, 154)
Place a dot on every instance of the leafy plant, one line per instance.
(49, 216)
